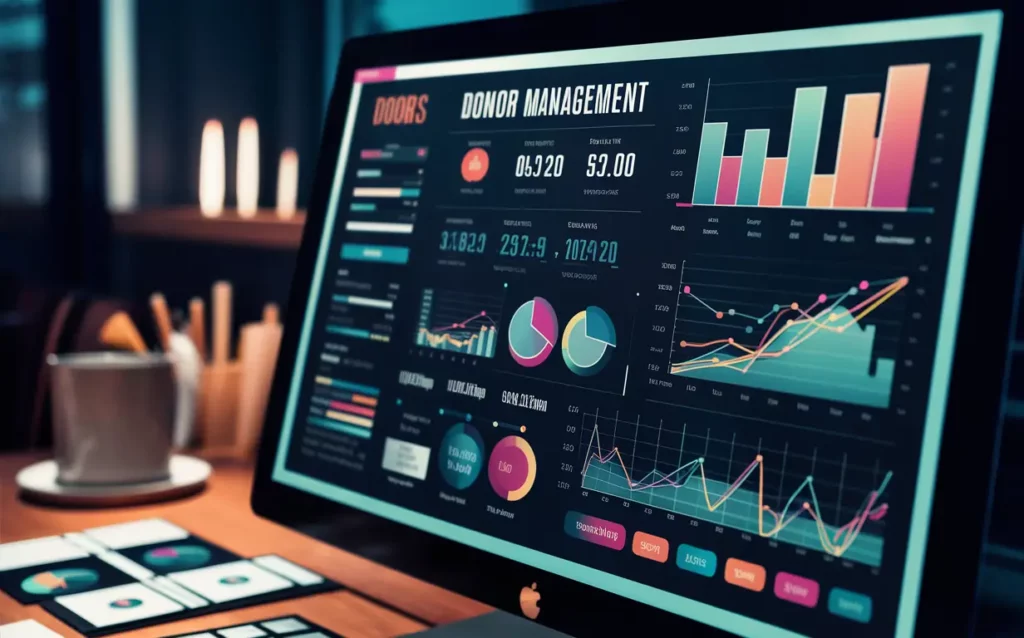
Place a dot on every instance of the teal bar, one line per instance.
(709, 162)
(358, 207)
(803, 144)
(755, 150)
(369, 172)
(370, 252)
(348, 332)
(355, 387)
(363, 433)
(410, 192)
(696, 560)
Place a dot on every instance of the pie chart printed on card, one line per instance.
(177, 556)
(589, 341)
(533, 332)
(63, 581)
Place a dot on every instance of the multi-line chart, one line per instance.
(808, 332)
(823, 502)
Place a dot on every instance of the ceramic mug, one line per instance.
(113, 417)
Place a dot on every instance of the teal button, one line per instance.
(696, 560)
(849, 604)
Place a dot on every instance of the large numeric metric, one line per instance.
(461, 241)
(513, 245)
(605, 165)
(540, 165)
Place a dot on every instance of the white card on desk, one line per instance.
(119, 605)
(27, 629)
(136, 533)
(230, 581)
(38, 551)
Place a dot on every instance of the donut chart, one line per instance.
(462, 456)
(588, 341)
(512, 468)
(533, 332)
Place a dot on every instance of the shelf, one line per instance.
(265, 230)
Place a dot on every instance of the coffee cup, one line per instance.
(113, 417)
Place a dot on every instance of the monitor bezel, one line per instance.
(970, 435)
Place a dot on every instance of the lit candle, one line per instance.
(247, 179)
(211, 170)
(287, 183)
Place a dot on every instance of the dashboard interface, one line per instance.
(675, 319)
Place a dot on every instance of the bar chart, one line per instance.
(459, 321)
(876, 143)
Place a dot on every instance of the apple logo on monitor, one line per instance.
(528, 599)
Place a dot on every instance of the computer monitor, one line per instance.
(678, 320)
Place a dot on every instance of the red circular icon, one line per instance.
(475, 164)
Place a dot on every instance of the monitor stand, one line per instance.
(497, 624)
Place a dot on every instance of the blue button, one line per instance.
(849, 604)
(696, 560)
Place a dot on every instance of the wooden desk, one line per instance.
(222, 515)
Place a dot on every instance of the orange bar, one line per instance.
(650, 546)
(821, 191)
(771, 182)
(743, 574)
(856, 150)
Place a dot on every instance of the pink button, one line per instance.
(796, 589)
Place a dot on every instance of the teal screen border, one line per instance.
(987, 25)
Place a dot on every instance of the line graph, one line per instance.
(784, 338)
(458, 321)
(760, 491)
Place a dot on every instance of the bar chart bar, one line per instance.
(856, 150)
(755, 151)
(728, 180)
(898, 135)
(820, 195)
(808, 108)
(709, 162)
(771, 181)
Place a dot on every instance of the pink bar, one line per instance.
(684, 205)
(898, 136)
(352, 409)
(371, 153)
(379, 74)
(728, 180)
(797, 589)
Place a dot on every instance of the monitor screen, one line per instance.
(674, 320)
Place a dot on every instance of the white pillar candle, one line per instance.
(211, 170)
(247, 179)
(287, 183)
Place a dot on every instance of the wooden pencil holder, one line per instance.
(217, 410)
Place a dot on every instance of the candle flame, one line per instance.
(247, 180)
(287, 183)
(211, 170)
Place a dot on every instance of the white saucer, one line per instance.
(38, 482)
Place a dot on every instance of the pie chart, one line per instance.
(588, 341)
(63, 581)
(533, 332)
(512, 468)
(177, 557)
(125, 603)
